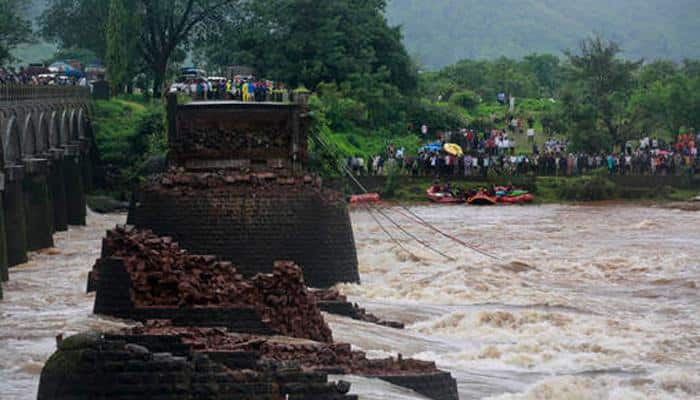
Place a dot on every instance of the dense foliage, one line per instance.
(122, 43)
(367, 91)
(343, 49)
(442, 32)
(14, 29)
(76, 24)
(594, 97)
(128, 133)
(160, 30)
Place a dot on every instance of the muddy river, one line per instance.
(585, 302)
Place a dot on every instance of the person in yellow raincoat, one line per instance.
(244, 89)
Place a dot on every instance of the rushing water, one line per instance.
(589, 302)
(46, 297)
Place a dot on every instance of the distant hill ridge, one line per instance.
(441, 32)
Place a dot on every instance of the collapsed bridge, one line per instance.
(238, 189)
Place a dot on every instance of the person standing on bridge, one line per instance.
(244, 90)
(251, 90)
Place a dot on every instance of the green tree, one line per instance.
(170, 25)
(598, 92)
(167, 28)
(14, 29)
(658, 71)
(306, 42)
(466, 99)
(548, 72)
(123, 27)
(76, 24)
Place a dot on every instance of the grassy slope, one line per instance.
(368, 144)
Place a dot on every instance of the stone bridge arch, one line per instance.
(75, 125)
(54, 123)
(11, 141)
(41, 125)
(83, 123)
(65, 126)
(28, 133)
(2, 141)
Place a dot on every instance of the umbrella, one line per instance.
(432, 147)
(455, 150)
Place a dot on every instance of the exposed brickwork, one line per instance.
(251, 133)
(151, 277)
(252, 222)
(241, 351)
(92, 367)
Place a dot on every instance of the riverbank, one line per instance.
(547, 190)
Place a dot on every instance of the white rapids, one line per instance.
(590, 302)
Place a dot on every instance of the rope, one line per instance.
(412, 236)
(414, 216)
(382, 213)
(391, 237)
(428, 225)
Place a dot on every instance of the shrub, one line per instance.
(435, 116)
(465, 99)
(587, 188)
(392, 180)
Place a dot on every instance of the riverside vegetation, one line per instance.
(369, 93)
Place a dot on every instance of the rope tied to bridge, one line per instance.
(343, 169)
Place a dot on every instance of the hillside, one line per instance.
(441, 32)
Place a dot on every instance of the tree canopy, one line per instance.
(14, 29)
(598, 91)
(76, 24)
(160, 29)
(306, 42)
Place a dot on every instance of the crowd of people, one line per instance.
(247, 89)
(494, 153)
(25, 77)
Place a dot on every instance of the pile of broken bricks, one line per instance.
(165, 275)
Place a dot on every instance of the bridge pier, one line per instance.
(15, 222)
(37, 204)
(86, 165)
(57, 187)
(75, 192)
(4, 273)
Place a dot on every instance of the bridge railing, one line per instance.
(16, 93)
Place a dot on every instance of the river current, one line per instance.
(588, 302)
